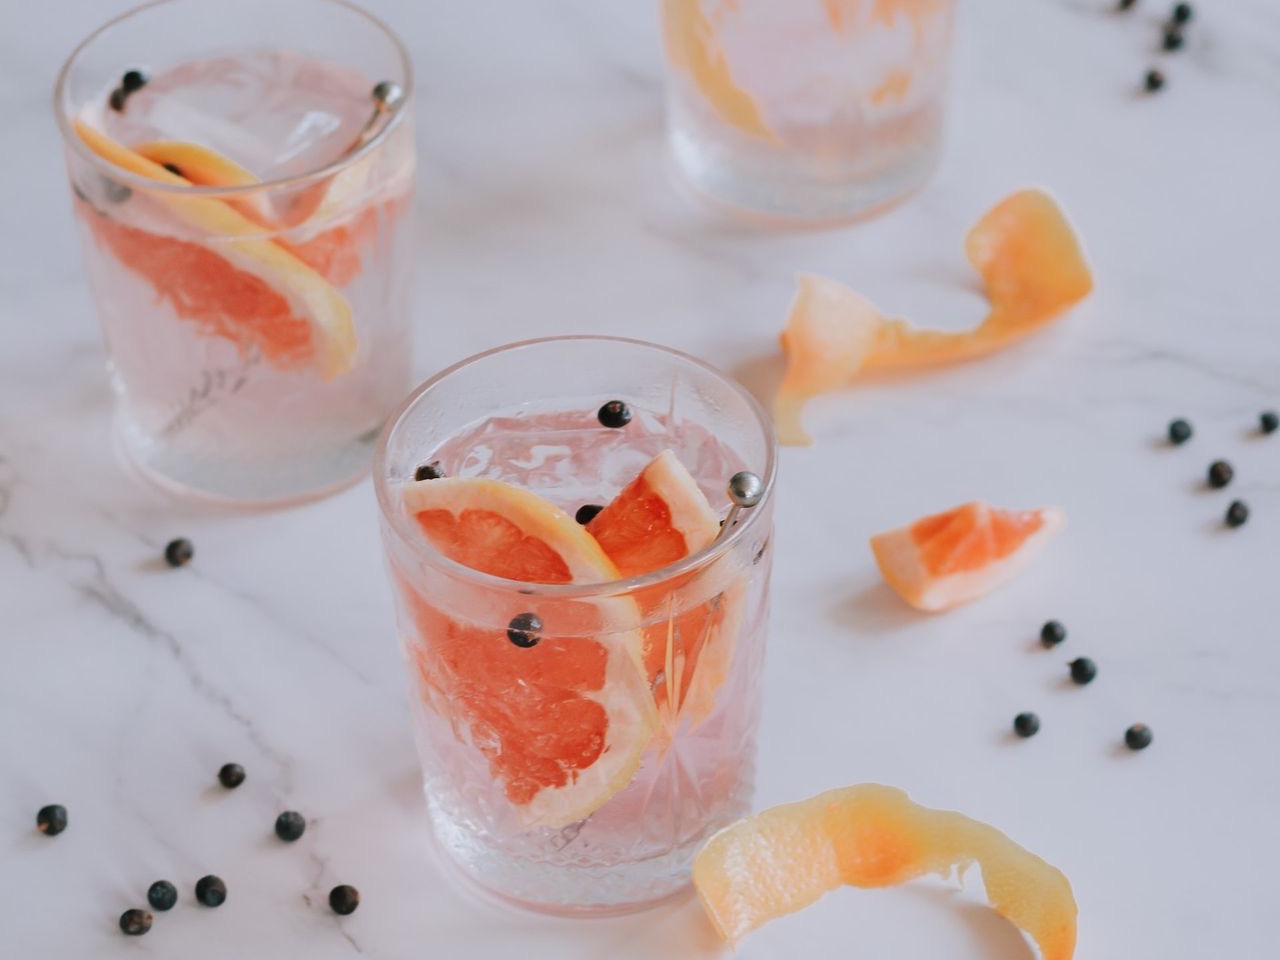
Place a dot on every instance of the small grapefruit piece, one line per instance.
(333, 252)
(246, 289)
(692, 47)
(562, 723)
(869, 835)
(950, 558)
(1032, 270)
(659, 518)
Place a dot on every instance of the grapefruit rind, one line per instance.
(196, 163)
(624, 695)
(318, 205)
(687, 653)
(1032, 267)
(898, 554)
(207, 168)
(869, 836)
(1031, 262)
(309, 294)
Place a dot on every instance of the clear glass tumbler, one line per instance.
(242, 173)
(579, 741)
(806, 110)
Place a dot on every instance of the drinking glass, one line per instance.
(579, 742)
(242, 174)
(806, 110)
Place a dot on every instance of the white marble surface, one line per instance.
(545, 207)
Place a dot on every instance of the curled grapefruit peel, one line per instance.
(562, 723)
(869, 835)
(246, 289)
(1032, 270)
(660, 518)
(950, 558)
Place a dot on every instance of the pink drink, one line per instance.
(256, 310)
(696, 766)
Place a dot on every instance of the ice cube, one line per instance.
(277, 113)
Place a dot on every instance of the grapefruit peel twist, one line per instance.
(1032, 269)
(869, 836)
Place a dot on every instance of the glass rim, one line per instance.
(137, 181)
(399, 522)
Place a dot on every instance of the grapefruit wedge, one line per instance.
(334, 251)
(1032, 270)
(869, 835)
(950, 558)
(562, 722)
(659, 518)
(243, 288)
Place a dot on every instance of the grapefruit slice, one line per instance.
(1032, 270)
(196, 164)
(869, 835)
(207, 167)
(659, 518)
(322, 199)
(691, 47)
(950, 558)
(246, 289)
(562, 723)
(334, 252)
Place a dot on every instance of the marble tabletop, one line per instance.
(545, 207)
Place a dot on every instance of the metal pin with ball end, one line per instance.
(297, 206)
(387, 96)
(745, 490)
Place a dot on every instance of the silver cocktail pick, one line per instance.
(297, 205)
(387, 97)
(745, 491)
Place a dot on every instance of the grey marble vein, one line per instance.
(1131, 353)
(98, 588)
